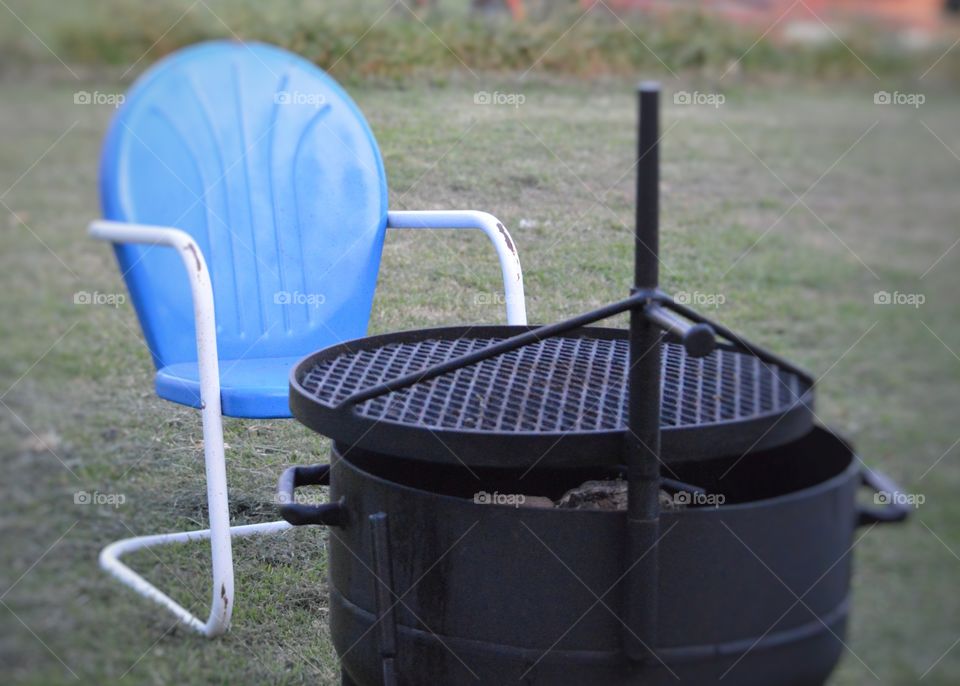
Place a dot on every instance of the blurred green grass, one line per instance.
(376, 38)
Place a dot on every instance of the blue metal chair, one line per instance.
(263, 177)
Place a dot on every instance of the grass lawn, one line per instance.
(878, 213)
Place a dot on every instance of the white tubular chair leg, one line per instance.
(110, 562)
(220, 532)
(495, 231)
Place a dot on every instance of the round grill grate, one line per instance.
(561, 387)
(558, 385)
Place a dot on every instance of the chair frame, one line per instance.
(220, 532)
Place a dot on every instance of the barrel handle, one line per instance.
(889, 508)
(299, 514)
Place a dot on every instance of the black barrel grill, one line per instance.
(677, 404)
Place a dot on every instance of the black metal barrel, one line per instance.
(754, 591)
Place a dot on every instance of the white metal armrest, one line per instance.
(496, 232)
(201, 288)
(220, 531)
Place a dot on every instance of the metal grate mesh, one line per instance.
(557, 385)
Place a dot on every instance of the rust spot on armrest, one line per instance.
(506, 237)
(193, 250)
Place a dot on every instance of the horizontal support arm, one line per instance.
(495, 231)
(146, 234)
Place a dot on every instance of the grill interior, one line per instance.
(570, 384)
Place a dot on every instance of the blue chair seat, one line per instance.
(249, 388)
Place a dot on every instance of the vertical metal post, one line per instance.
(642, 445)
(647, 244)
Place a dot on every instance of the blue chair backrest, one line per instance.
(270, 166)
